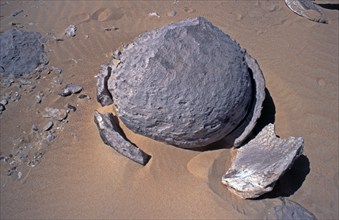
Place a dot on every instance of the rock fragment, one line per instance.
(57, 114)
(153, 14)
(71, 107)
(70, 89)
(259, 164)
(288, 209)
(71, 30)
(113, 136)
(4, 102)
(171, 13)
(17, 12)
(16, 97)
(50, 137)
(84, 96)
(307, 9)
(104, 97)
(48, 126)
(35, 128)
(2, 108)
(38, 98)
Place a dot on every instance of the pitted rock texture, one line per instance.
(21, 52)
(186, 84)
(260, 163)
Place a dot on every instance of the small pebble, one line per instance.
(35, 128)
(4, 102)
(82, 96)
(57, 70)
(2, 107)
(71, 31)
(50, 137)
(153, 14)
(116, 54)
(70, 89)
(171, 13)
(38, 99)
(71, 107)
(48, 126)
(16, 97)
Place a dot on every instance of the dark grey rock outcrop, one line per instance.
(21, 52)
(187, 84)
(288, 209)
(260, 163)
(112, 135)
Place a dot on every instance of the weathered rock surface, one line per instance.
(21, 52)
(288, 209)
(187, 84)
(57, 114)
(104, 97)
(260, 163)
(112, 135)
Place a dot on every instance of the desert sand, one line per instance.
(79, 177)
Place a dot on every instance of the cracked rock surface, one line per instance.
(186, 84)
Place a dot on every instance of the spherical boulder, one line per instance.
(187, 84)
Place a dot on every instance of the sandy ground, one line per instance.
(80, 177)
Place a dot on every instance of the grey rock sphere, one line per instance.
(187, 84)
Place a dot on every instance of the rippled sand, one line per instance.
(80, 177)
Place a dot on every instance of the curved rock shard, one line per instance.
(261, 162)
(104, 97)
(307, 9)
(112, 135)
(289, 210)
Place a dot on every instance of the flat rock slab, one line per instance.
(260, 163)
(288, 209)
(112, 135)
(186, 84)
(21, 52)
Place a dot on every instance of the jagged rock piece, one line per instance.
(288, 209)
(260, 163)
(21, 52)
(57, 114)
(113, 136)
(104, 97)
(307, 9)
(71, 31)
(187, 84)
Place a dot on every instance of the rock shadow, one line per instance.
(330, 6)
(291, 181)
